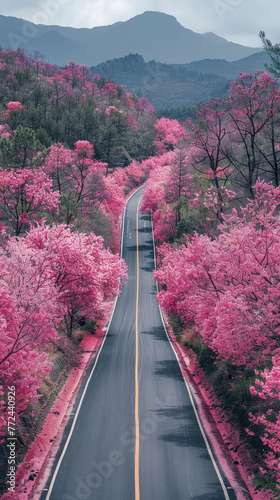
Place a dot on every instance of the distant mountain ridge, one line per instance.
(177, 87)
(153, 35)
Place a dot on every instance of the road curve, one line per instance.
(134, 434)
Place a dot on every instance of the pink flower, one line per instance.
(110, 110)
(132, 122)
(84, 148)
(14, 105)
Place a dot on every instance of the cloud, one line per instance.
(40, 11)
(241, 20)
(102, 12)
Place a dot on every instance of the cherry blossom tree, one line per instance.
(84, 273)
(238, 270)
(270, 141)
(56, 165)
(169, 133)
(209, 141)
(180, 181)
(267, 388)
(164, 221)
(114, 203)
(24, 196)
(154, 193)
(29, 319)
(251, 113)
(13, 114)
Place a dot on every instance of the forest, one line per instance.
(172, 88)
(73, 145)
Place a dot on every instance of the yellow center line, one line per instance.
(137, 436)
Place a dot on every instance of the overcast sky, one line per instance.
(236, 20)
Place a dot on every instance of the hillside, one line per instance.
(172, 86)
(66, 105)
(154, 35)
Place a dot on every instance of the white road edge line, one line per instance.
(188, 389)
(91, 373)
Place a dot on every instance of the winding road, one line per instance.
(134, 433)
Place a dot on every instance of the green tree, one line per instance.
(274, 53)
(19, 150)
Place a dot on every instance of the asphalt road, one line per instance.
(136, 435)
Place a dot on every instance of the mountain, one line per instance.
(172, 86)
(54, 42)
(153, 35)
(230, 70)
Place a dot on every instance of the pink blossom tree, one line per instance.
(253, 107)
(56, 165)
(29, 319)
(114, 203)
(169, 133)
(84, 273)
(164, 221)
(179, 184)
(154, 193)
(13, 114)
(210, 138)
(238, 270)
(24, 195)
(267, 388)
